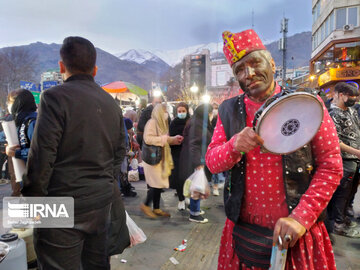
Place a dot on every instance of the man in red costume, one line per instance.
(269, 195)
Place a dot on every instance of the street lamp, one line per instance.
(194, 88)
(157, 92)
(206, 98)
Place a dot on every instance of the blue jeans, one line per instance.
(194, 207)
(217, 178)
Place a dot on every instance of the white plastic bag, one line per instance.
(137, 236)
(199, 188)
(134, 164)
(133, 175)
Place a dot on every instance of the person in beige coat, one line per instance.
(157, 176)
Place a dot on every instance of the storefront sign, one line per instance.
(348, 73)
(339, 74)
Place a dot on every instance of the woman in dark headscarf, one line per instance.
(21, 105)
(197, 137)
(177, 128)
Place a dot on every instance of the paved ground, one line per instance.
(203, 239)
(165, 234)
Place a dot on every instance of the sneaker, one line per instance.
(187, 201)
(216, 192)
(147, 211)
(198, 219)
(181, 205)
(161, 213)
(346, 231)
(351, 224)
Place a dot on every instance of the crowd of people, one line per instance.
(79, 144)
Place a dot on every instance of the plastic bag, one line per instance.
(133, 176)
(199, 188)
(186, 188)
(134, 164)
(137, 236)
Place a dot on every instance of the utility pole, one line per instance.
(252, 19)
(283, 46)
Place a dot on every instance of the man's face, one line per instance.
(348, 100)
(255, 73)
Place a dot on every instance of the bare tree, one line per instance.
(16, 64)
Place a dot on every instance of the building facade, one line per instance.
(50, 78)
(335, 43)
(196, 70)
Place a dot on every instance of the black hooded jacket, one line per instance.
(197, 137)
(24, 114)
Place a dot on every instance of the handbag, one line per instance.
(151, 154)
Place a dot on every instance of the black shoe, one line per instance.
(341, 229)
(130, 193)
(199, 219)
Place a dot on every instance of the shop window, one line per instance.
(347, 54)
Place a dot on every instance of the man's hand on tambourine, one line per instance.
(247, 140)
(290, 230)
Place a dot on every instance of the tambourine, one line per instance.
(288, 121)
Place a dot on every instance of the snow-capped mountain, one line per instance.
(172, 57)
(138, 56)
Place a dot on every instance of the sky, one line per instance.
(119, 25)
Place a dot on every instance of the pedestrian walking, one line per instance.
(197, 136)
(268, 196)
(348, 129)
(156, 134)
(177, 126)
(76, 151)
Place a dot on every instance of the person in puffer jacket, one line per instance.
(21, 105)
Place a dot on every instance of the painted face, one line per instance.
(254, 73)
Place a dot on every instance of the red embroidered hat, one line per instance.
(237, 45)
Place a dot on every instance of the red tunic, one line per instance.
(264, 198)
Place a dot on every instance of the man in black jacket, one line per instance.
(347, 125)
(77, 149)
